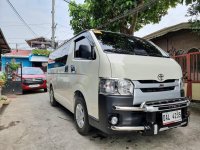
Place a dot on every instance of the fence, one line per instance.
(190, 64)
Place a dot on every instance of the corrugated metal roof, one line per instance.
(3, 43)
(164, 31)
(18, 53)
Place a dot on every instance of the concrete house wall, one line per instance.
(182, 39)
(25, 61)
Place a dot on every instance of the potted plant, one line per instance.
(2, 79)
(4, 100)
(1, 103)
(41, 52)
(13, 66)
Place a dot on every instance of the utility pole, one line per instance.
(16, 47)
(53, 25)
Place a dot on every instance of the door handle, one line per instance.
(73, 69)
(66, 68)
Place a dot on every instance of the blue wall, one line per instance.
(25, 61)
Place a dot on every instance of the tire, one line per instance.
(45, 90)
(53, 101)
(81, 116)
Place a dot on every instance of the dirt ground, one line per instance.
(30, 123)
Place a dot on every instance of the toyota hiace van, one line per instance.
(117, 83)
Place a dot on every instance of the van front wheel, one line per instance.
(81, 116)
(52, 98)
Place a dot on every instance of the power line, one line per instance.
(130, 12)
(23, 25)
(19, 16)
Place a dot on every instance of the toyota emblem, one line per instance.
(160, 77)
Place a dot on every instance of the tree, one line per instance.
(93, 13)
(194, 13)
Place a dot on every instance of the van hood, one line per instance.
(136, 67)
(34, 76)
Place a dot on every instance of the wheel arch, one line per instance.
(79, 93)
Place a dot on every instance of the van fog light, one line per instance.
(114, 120)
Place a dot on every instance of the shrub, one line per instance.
(41, 52)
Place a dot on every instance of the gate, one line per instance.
(14, 80)
(190, 64)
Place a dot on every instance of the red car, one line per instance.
(33, 78)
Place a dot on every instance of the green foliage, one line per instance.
(41, 52)
(94, 13)
(194, 14)
(13, 65)
(3, 77)
(3, 98)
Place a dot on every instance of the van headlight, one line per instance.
(181, 83)
(116, 86)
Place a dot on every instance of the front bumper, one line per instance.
(26, 87)
(157, 106)
(146, 117)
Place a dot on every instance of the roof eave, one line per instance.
(164, 31)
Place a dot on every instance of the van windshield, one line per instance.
(125, 44)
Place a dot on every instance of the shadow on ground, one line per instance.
(99, 137)
(33, 92)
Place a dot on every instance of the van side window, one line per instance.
(83, 49)
(61, 61)
(59, 57)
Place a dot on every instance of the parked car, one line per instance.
(117, 83)
(33, 78)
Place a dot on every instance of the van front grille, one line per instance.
(157, 89)
(154, 81)
(169, 104)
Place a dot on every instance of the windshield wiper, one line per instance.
(158, 55)
(166, 56)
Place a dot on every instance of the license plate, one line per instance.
(34, 85)
(171, 117)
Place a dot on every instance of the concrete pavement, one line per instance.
(30, 123)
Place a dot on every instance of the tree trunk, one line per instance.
(133, 23)
(123, 28)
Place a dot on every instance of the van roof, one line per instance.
(92, 30)
(73, 37)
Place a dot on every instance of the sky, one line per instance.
(37, 13)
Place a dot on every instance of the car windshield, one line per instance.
(125, 44)
(31, 71)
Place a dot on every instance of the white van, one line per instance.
(117, 83)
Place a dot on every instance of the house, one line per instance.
(26, 58)
(176, 40)
(19, 56)
(39, 43)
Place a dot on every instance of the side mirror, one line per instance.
(86, 52)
